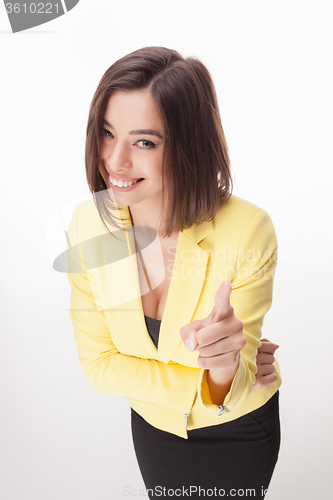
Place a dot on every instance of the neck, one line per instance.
(148, 214)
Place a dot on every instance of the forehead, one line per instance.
(133, 107)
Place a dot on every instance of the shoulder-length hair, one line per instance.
(196, 165)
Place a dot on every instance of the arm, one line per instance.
(252, 298)
(106, 369)
(231, 377)
(265, 373)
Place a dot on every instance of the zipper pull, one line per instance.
(186, 415)
(223, 409)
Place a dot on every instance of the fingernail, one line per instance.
(189, 344)
(277, 346)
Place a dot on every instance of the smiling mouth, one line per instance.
(124, 184)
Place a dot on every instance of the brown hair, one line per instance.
(196, 165)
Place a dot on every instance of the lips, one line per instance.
(124, 179)
(124, 186)
(124, 183)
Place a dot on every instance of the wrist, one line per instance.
(220, 375)
(219, 382)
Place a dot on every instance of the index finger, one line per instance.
(222, 302)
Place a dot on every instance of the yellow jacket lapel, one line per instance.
(188, 276)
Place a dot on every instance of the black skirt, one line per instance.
(234, 459)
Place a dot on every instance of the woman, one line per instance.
(171, 277)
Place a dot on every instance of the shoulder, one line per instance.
(239, 218)
(88, 221)
(86, 209)
(85, 220)
(238, 209)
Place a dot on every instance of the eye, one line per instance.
(144, 144)
(106, 133)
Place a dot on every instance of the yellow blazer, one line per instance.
(165, 385)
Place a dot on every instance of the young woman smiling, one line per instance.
(177, 329)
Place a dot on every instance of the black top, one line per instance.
(153, 327)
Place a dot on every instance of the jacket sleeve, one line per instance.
(251, 298)
(107, 370)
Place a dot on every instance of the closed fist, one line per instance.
(265, 359)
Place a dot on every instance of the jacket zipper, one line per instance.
(223, 409)
(186, 415)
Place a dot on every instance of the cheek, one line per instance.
(156, 167)
(102, 170)
(102, 151)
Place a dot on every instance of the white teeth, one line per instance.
(121, 183)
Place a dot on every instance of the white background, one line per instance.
(272, 66)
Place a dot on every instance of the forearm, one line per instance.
(219, 382)
(170, 385)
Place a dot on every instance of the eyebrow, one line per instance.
(138, 132)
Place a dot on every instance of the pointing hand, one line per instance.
(218, 338)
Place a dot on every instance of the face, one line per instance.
(132, 142)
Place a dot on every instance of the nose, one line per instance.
(120, 157)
